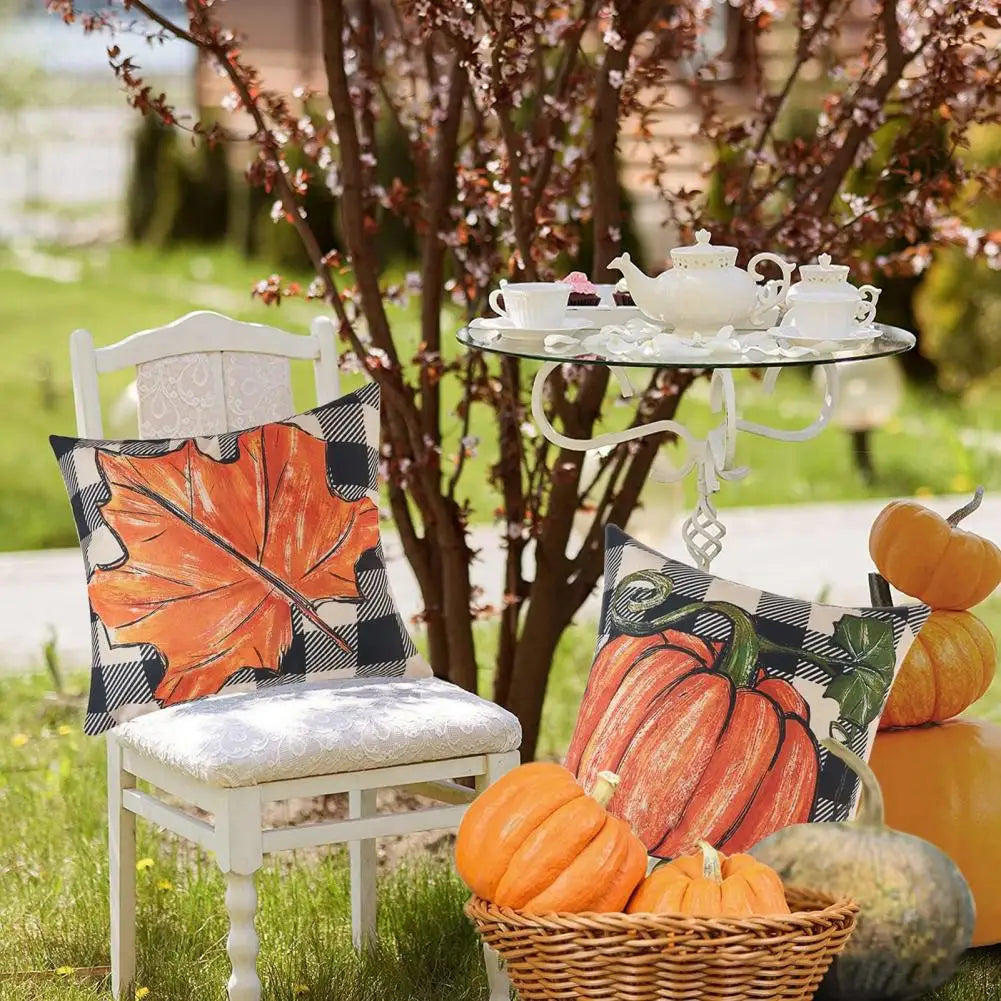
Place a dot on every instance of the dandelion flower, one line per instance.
(141, 992)
(143, 864)
(165, 884)
(65, 971)
(20, 739)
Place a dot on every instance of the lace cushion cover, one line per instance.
(243, 739)
(234, 561)
(710, 698)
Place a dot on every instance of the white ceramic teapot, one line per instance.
(705, 290)
(825, 305)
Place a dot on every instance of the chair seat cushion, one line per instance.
(245, 738)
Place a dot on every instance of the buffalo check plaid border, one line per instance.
(789, 621)
(123, 678)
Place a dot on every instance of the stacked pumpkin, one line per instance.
(941, 775)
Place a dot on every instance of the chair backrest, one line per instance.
(204, 374)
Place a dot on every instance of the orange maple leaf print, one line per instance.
(217, 554)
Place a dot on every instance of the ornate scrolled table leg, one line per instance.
(712, 457)
(830, 373)
(609, 437)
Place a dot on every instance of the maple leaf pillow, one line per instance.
(241, 560)
(709, 699)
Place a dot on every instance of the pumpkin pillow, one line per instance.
(709, 700)
(241, 560)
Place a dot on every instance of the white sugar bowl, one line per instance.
(825, 305)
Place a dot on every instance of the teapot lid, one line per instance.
(703, 254)
(824, 271)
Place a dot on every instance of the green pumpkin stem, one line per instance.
(712, 867)
(967, 509)
(870, 813)
(604, 788)
(739, 659)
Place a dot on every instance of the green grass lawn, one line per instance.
(53, 875)
(931, 447)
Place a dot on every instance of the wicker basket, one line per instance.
(666, 957)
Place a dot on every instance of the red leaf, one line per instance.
(217, 554)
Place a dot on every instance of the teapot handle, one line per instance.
(866, 312)
(772, 293)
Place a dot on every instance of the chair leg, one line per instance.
(498, 983)
(363, 864)
(122, 869)
(497, 978)
(239, 850)
(242, 942)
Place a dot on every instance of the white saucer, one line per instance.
(599, 316)
(788, 332)
(504, 326)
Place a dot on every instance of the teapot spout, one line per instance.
(646, 291)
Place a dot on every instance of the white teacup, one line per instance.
(820, 319)
(532, 305)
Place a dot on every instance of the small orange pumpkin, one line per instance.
(928, 557)
(948, 667)
(535, 842)
(710, 884)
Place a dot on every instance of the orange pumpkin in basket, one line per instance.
(928, 557)
(534, 841)
(949, 666)
(709, 884)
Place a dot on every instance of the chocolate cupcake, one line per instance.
(622, 295)
(582, 291)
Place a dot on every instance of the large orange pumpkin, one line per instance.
(948, 667)
(943, 783)
(701, 754)
(928, 557)
(534, 841)
(709, 884)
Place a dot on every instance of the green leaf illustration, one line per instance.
(860, 693)
(869, 641)
(861, 690)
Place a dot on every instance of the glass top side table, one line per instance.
(712, 457)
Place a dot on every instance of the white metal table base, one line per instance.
(712, 457)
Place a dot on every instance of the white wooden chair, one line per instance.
(205, 374)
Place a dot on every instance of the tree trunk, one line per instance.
(896, 307)
(544, 622)
(456, 590)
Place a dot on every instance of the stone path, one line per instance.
(811, 551)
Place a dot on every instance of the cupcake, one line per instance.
(582, 292)
(622, 295)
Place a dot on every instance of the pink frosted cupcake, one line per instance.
(582, 291)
